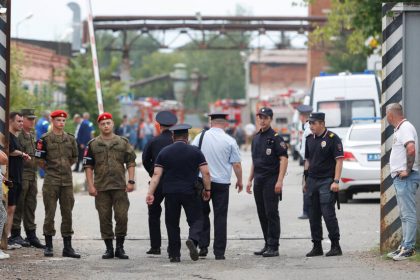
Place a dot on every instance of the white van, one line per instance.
(345, 96)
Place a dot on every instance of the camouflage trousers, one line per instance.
(26, 206)
(105, 201)
(63, 194)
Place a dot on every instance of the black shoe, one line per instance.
(119, 250)
(260, 252)
(203, 252)
(33, 239)
(271, 253)
(68, 250)
(153, 251)
(335, 249)
(175, 259)
(316, 250)
(16, 238)
(221, 257)
(109, 253)
(193, 249)
(48, 250)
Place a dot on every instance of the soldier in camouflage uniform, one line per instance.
(57, 151)
(105, 157)
(26, 206)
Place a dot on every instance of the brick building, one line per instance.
(42, 65)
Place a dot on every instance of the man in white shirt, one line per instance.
(222, 154)
(404, 170)
(304, 112)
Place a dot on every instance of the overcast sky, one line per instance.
(52, 19)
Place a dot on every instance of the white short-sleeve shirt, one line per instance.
(403, 133)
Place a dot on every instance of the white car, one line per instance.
(362, 160)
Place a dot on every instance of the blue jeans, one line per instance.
(405, 189)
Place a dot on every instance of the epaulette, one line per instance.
(125, 139)
(276, 134)
(331, 135)
(311, 134)
(91, 140)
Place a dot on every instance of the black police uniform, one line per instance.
(150, 153)
(180, 163)
(267, 148)
(321, 152)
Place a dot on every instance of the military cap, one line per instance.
(166, 118)
(316, 116)
(304, 109)
(217, 115)
(180, 128)
(58, 113)
(29, 113)
(266, 112)
(104, 116)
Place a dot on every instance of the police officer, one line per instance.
(105, 156)
(304, 112)
(165, 119)
(323, 164)
(179, 163)
(25, 209)
(269, 165)
(57, 152)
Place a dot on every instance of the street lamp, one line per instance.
(20, 22)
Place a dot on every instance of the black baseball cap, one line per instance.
(266, 112)
(317, 116)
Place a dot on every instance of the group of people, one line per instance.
(190, 176)
(138, 131)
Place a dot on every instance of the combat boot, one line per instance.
(15, 237)
(335, 249)
(119, 249)
(68, 250)
(48, 250)
(33, 239)
(316, 250)
(109, 253)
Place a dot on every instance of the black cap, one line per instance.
(180, 128)
(166, 118)
(29, 113)
(217, 115)
(266, 112)
(317, 117)
(304, 109)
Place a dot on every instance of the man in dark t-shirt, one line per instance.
(180, 163)
(16, 158)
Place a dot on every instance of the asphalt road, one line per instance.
(358, 220)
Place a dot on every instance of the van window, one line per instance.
(339, 113)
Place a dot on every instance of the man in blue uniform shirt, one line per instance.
(165, 119)
(323, 165)
(269, 166)
(179, 163)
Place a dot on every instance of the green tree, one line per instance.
(19, 97)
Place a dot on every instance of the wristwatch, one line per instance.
(336, 181)
(132, 182)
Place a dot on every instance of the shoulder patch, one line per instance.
(331, 135)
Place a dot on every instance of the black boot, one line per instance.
(109, 253)
(203, 252)
(119, 249)
(48, 250)
(68, 250)
(15, 237)
(335, 249)
(260, 252)
(33, 239)
(271, 252)
(316, 250)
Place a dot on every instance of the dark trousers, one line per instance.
(220, 201)
(81, 151)
(192, 207)
(267, 202)
(305, 204)
(321, 201)
(155, 211)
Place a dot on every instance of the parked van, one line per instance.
(345, 96)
